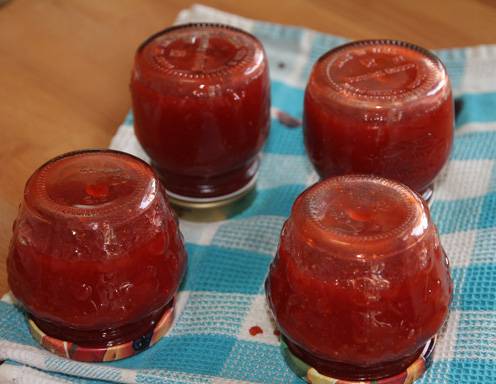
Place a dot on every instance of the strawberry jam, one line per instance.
(96, 255)
(360, 282)
(201, 103)
(379, 107)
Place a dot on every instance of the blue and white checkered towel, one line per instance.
(223, 297)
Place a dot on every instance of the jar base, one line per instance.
(412, 373)
(74, 351)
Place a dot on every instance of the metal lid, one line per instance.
(73, 351)
(408, 376)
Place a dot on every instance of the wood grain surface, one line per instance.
(65, 64)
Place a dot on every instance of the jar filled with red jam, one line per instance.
(380, 107)
(360, 284)
(201, 104)
(96, 255)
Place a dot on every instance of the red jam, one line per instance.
(360, 282)
(379, 107)
(96, 255)
(255, 330)
(201, 104)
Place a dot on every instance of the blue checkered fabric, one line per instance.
(223, 294)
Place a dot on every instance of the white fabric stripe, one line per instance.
(295, 77)
(446, 342)
(23, 354)
(259, 315)
(312, 178)
(258, 234)
(26, 375)
(35, 357)
(465, 179)
(483, 51)
(190, 377)
(129, 376)
(181, 301)
(199, 233)
(220, 380)
(459, 247)
(476, 335)
(125, 140)
(476, 127)
(277, 170)
(8, 298)
(212, 313)
(273, 112)
(479, 74)
(200, 13)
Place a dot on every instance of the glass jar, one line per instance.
(201, 104)
(360, 283)
(380, 107)
(96, 255)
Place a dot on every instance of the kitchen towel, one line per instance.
(223, 295)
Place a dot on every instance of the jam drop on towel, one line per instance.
(255, 330)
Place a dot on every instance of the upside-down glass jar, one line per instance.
(201, 104)
(380, 107)
(360, 285)
(96, 256)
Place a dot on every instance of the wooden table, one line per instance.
(65, 65)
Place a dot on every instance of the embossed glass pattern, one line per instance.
(201, 103)
(360, 282)
(96, 255)
(379, 107)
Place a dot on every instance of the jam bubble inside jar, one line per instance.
(360, 285)
(201, 104)
(96, 256)
(380, 107)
